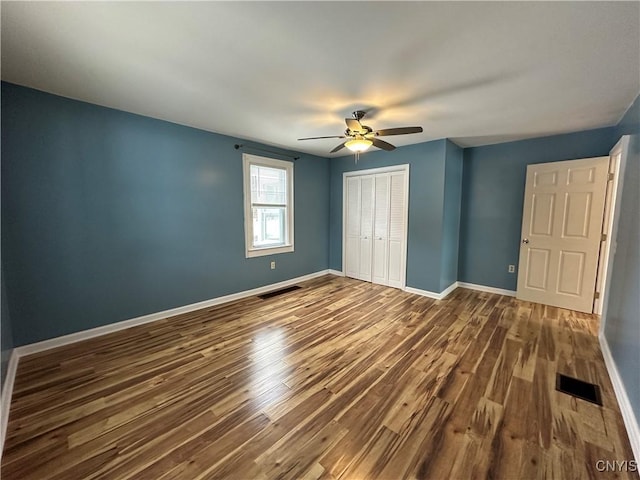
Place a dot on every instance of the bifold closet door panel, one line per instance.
(366, 226)
(352, 241)
(397, 230)
(380, 229)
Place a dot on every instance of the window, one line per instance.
(268, 205)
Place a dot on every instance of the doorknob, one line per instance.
(525, 240)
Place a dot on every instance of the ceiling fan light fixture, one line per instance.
(358, 144)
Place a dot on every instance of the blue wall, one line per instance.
(6, 335)
(426, 200)
(493, 195)
(451, 215)
(622, 328)
(108, 215)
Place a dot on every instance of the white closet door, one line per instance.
(380, 229)
(352, 243)
(366, 226)
(375, 226)
(396, 230)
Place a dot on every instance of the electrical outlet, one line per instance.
(273, 265)
(512, 268)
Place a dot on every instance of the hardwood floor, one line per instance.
(340, 379)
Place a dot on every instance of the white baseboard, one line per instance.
(434, 295)
(7, 391)
(336, 272)
(448, 290)
(484, 288)
(629, 417)
(152, 317)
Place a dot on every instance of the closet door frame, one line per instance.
(375, 171)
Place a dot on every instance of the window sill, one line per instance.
(261, 252)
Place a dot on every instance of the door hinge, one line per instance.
(610, 177)
(596, 295)
(604, 237)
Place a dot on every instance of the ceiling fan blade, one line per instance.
(354, 125)
(398, 131)
(317, 138)
(338, 148)
(382, 144)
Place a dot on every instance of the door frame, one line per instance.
(374, 171)
(607, 228)
(621, 146)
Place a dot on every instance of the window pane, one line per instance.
(268, 185)
(268, 226)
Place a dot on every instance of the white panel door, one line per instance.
(397, 230)
(380, 229)
(352, 228)
(561, 232)
(366, 226)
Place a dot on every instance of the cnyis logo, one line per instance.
(617, 466)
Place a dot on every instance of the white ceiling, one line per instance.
(477, 72)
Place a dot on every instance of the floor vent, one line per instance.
(275, 293)
(578, 388)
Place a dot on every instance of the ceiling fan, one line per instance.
(361, 137)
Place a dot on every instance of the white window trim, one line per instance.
(247, 161)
